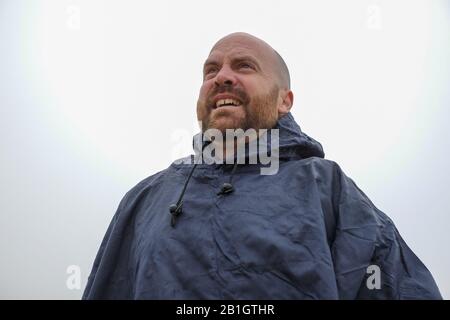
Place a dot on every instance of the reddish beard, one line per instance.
(259, 112)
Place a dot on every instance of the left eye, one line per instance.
(245, 65)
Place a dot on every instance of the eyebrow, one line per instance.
(238, 58)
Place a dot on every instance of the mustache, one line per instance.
(238, 92)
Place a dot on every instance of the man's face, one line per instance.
(239, 88)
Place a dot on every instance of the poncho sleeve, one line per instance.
(371, 259)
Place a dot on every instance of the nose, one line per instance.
(225, 77)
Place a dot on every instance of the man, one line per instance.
(227, 231)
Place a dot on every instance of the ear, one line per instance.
(287, 100)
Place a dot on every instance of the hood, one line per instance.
(293, 143)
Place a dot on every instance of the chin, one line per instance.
(222, 125)
(226, 121)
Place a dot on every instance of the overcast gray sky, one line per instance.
(97, 95)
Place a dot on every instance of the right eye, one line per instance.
(209, 72)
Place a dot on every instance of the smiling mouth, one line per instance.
(227, 103)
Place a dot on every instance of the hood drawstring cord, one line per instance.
(176, 209)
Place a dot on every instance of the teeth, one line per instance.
(222, 102)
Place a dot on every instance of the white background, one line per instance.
(97, 95)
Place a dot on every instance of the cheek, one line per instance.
(201, 111)
(201, 102)
(254, 88)
(204, 90)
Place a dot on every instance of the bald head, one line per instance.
(245, 85)
(278, 65)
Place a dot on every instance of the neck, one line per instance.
(232, 146)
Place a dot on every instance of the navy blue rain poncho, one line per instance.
(307, 232)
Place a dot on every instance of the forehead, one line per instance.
(241, 46)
